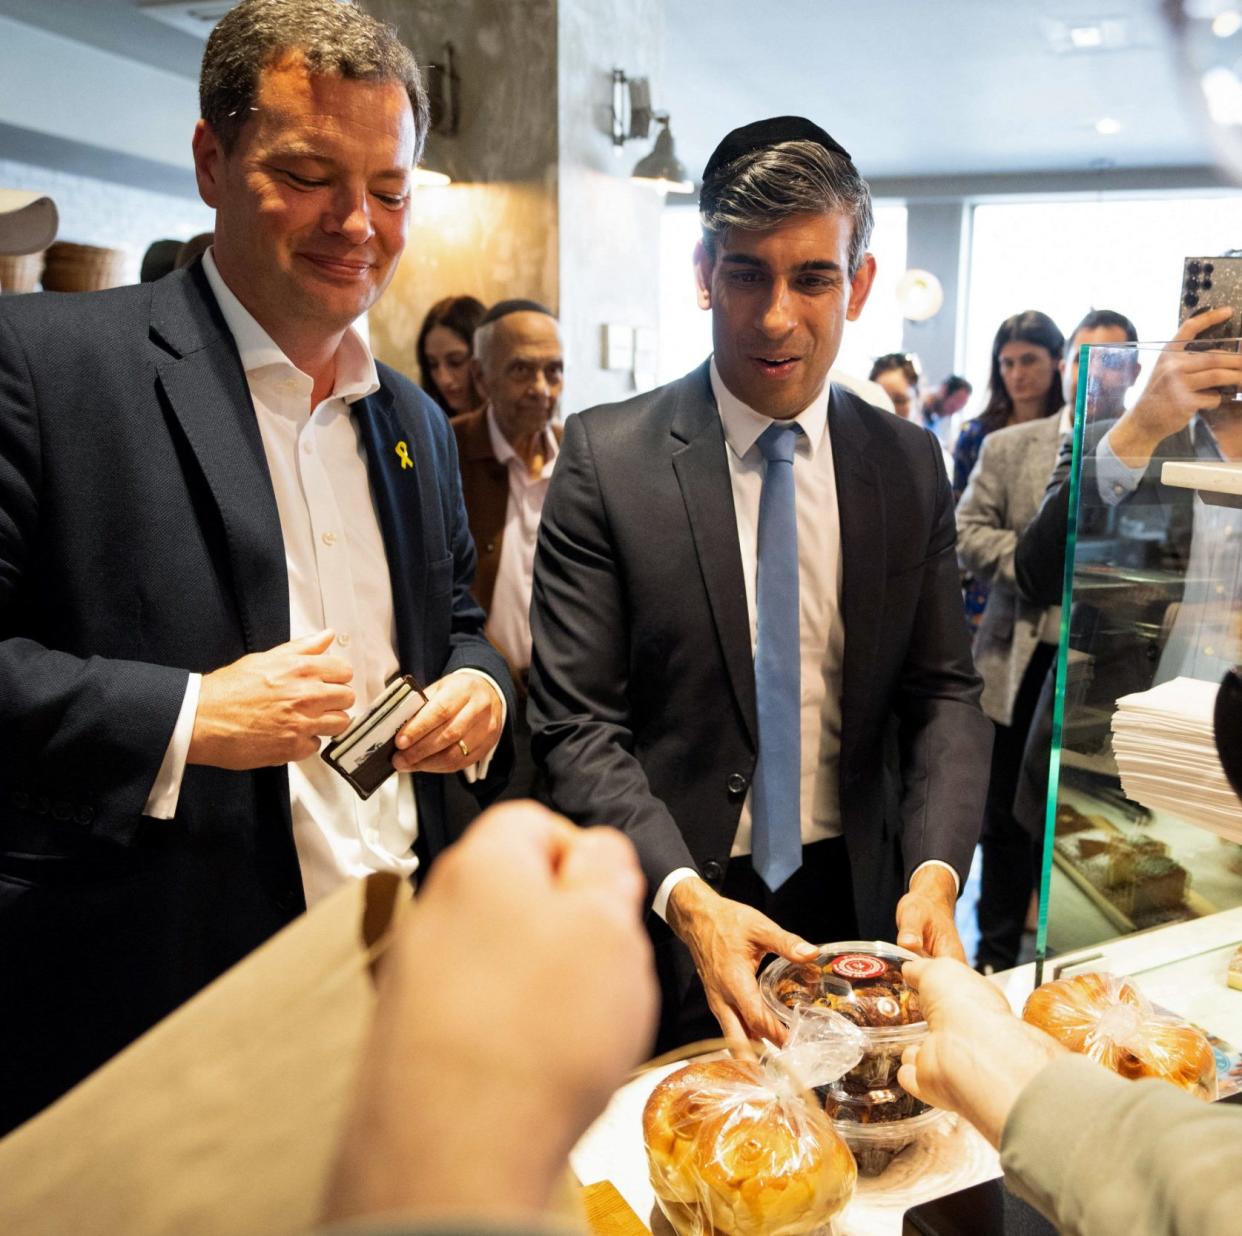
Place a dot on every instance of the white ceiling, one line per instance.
(930, 87)
(911, 87)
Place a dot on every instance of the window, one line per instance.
(1066, 257)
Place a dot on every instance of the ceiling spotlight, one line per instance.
(1085, 37)
(1107, 126)
(1227, 23)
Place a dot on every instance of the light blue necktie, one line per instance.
(776, 839)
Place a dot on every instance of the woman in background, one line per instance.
(1025, 384)
(445, 348)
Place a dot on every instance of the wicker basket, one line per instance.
(81, 268)
(19, 272)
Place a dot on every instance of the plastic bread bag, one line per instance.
(1107, 1019)
(738, 1147)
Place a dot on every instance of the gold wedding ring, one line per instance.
(461, 742)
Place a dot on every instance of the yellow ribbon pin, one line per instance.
(403, 454)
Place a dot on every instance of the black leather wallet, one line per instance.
(363, 753)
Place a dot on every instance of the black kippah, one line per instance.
(502, 309)
(765, 133)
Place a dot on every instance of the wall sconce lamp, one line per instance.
(444, 99)
(632, 116)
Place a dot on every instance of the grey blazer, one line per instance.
(1005, 490)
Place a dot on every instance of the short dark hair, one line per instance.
(332, 38)
(904, 362)
(1104, 319)
(954, 383)
(765, 187)
(461, 315)
(1030, 326)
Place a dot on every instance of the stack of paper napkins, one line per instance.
(1166, 755)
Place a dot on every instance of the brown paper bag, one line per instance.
(224, 1117)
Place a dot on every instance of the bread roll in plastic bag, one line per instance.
(734, 1147)
(1108, 1019)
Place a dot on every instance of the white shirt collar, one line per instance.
(743, 425)
(356, 375)
(504, 451)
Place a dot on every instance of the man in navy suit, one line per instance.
(805, 760)
(223, 528)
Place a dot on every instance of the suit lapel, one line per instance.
(860, 505)
(207, 392)
(702, 471)
(404, 520)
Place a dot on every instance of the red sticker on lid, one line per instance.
(858, 966)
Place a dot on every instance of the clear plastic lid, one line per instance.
(859, 979)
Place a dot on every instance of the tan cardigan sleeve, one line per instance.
(1100, 1156)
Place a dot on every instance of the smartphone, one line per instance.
(1213, 283)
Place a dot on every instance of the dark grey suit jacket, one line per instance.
(139, 541)
(642, 683)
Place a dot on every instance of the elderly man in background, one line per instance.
(223, 529)
(507, 451)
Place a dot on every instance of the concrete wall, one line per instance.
(492, 233)
(609, 225)
(934, 239)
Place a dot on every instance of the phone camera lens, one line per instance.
(1193, 268)
(1208, 268)
(1207, 283)
(1190, 300)
(1192, 285)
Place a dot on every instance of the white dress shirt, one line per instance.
(508, 621)
(338, 578)
(822, 630)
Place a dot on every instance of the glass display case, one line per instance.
(1142, 869)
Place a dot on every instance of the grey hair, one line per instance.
(331, 36)
(481, 345)
(766, 187)
(484, 339)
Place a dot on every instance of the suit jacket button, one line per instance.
(712, 871)
(21, 800)
(62, 811)
(84, 815)
(43, 804)
(737, 783)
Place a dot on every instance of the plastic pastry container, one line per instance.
(861, 979)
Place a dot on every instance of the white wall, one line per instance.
(65, 89)
(98, 212)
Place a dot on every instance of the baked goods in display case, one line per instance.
(861, 980)
(1110, 1021)
(1131, 871)
(734, 1150)
(1233, 975)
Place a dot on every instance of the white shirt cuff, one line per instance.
(476, 772)
(660, 905)
(162, 801)
(935, 862)
(1114, 480)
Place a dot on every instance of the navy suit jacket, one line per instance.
(139, 541)
(642, 695)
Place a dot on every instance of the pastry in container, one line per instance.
(733, 1150)
(861, 980)
(1108, 1019)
